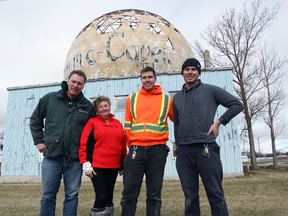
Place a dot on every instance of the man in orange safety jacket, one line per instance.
(146, 129)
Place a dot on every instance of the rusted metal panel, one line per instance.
(21, 158)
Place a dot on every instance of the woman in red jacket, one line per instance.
(102, 152)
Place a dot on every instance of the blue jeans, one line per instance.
(151, 162)
(52, 172)
(192, 163)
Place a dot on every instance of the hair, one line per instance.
(146, 69)
(79, 73)
(99, 99)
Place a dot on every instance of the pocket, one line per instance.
(53, 143)
(214, 147)
(191, 127)
(163, 149)
(82, 116)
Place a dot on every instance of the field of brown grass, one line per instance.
(264, 192)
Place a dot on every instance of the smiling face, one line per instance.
(148, 80)
(75, 85)
(103, 109)
(191, 76)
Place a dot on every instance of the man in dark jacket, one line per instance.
(195, 133)
(56, 126)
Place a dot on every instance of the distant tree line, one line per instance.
(260, 154)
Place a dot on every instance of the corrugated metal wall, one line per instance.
(21, 158)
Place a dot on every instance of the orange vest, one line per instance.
(146, 117)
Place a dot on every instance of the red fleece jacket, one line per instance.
(107, 142)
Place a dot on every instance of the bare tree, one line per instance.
(234, 36)
(271, 67)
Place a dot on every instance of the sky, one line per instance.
(36, 35)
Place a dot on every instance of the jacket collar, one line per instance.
(185, 89)
(157, 90)
(63, 94)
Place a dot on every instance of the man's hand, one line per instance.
(42, 147)
(214, 128)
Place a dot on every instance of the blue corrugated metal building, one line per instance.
(21, 157)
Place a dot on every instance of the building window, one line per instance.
(120, 103)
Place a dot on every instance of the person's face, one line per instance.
(75, 85)
(103, 109)
(148, 80)
(190, 75)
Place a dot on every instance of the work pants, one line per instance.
(191, 163)
(150, 161)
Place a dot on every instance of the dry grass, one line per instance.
(263, 192)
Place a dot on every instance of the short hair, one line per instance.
(146, 69)
(99, 99)
(79, 73)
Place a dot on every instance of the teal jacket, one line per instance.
(57, 121)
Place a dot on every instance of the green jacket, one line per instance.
(57, 121)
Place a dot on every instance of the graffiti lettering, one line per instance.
(74, 63)
(89, 59)
(138, 54)
(109, 55)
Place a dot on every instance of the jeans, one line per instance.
(149, 160)
(192, 162)
(104, 183)
(52, 171)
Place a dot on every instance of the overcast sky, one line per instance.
(36, 35)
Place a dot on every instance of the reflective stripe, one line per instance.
(164, 109)
(159, 127)
(127, 125)
(133, 100)
(137, 127)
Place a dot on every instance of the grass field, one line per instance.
(263, 192)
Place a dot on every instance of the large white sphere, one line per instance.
(121, 43)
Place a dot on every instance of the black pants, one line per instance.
(151, 162)
(104, 183)
(192, 162)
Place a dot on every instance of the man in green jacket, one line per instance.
(56, 126)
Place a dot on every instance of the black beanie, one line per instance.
(191, 62)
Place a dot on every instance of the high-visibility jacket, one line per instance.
(146, 117)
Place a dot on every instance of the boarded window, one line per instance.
(120, 103)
